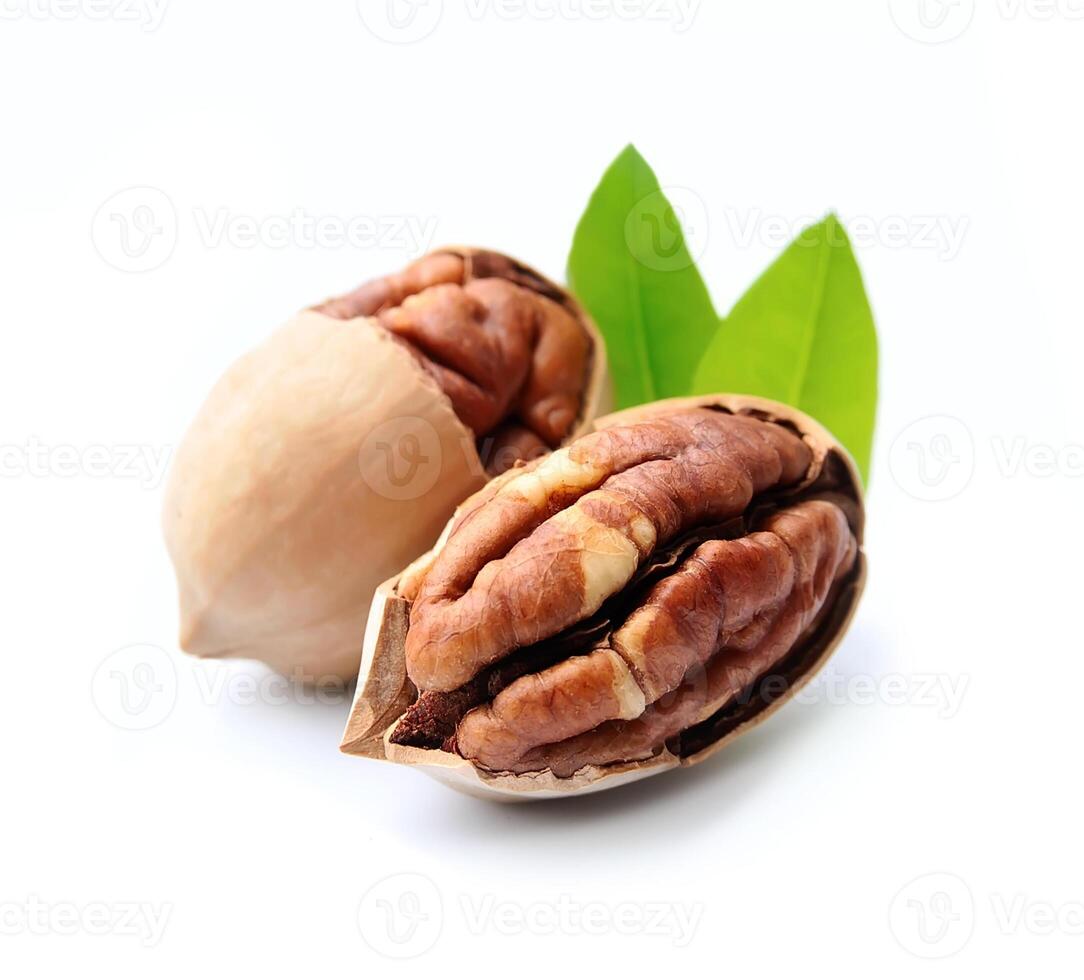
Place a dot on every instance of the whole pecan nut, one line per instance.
(627, 604)
(329, 457)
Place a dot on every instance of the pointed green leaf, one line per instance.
(630, 267)
(804, 335)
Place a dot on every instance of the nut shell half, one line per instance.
(321, 463)
(387, 700)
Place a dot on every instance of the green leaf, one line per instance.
(804, 335)
(631, 269)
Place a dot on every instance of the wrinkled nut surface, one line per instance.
(326, 459)
(506, 346)
(625, 605)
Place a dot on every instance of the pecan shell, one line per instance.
(285, 507)
(625, 605)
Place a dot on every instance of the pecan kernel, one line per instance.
(624, 598)
(511, 353)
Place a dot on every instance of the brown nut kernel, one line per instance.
(626, 605)
(507, 347)
(329, 457)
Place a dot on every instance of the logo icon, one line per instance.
(401, 21)
(401, 916)
(135, 688)
(401, 458)
(933, 916)
(932, 21)
(933, 459)
(136, 229)
(654, 226)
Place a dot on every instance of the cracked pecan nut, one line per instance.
(326, 459)
(509, 348)
(625, 605)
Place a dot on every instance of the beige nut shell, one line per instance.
(384, 691)
(291, 497)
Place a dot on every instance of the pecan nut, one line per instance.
(508, 348)
(286, 508)
(624, 605)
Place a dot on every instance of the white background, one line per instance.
(946, 737)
